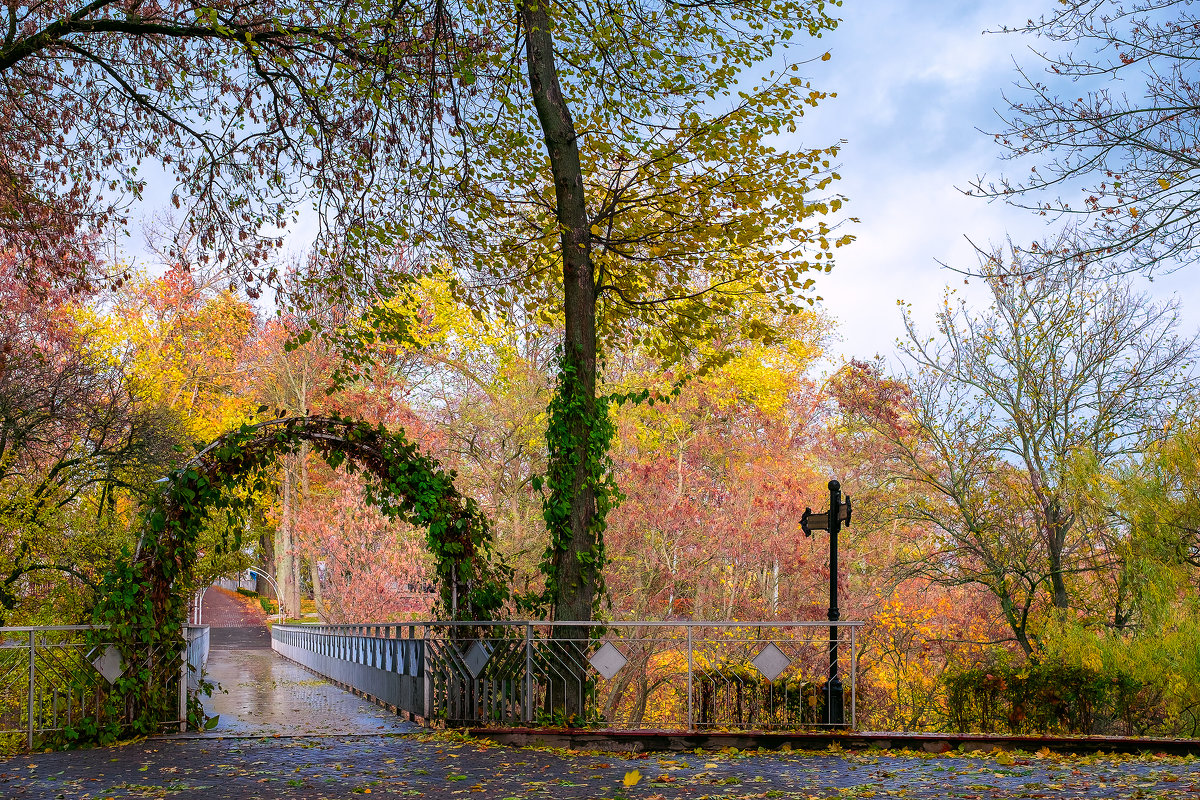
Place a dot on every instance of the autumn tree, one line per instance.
(715, 482)
(629, 185)
(183, 340)
(290, 380)
(251, 109)
(77, 444)
(1153, 540)
(1005, 403)
(478, 384)
(1103, 129)
(367, 568)
(615, 168)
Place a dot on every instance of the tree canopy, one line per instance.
(251, 109)
(1067, 372)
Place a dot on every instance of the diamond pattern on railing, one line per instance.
(109, 664)
(771, 662)
(477, 658)
(608, 660)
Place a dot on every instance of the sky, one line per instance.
(916, 81)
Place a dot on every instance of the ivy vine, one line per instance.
(579, 426)
(143, 598)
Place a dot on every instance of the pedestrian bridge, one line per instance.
(625, 675)
(646, 675)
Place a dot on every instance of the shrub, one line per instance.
(1051, 697)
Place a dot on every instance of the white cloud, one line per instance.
(916, 82)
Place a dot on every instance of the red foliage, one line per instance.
(371, 569)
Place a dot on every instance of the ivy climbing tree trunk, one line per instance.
(573, 594)
(575, 554)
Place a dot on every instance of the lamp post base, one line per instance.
(835, 708)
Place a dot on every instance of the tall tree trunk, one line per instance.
(305, 486)
(314, 569)
(266, 543)
(283, 546)
(1057, 525)
(314, 574)
(575, 585)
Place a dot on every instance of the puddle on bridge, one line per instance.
(263, 694)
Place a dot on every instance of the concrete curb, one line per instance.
(679, 741)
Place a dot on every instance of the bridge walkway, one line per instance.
(263, 694)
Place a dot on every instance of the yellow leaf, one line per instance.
(826, 57)
(632, 777)
(1164, 183)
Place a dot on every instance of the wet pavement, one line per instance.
(283, 733)
(263, 694)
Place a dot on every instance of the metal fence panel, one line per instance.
(51, 677)
(624, 675)
(378, 660)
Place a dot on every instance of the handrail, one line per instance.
(581, 623)
(56, 681)
(35, 628)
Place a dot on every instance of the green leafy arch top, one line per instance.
(143, 602)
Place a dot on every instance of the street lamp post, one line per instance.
(839, 512)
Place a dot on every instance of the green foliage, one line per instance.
(692, 204)
(578, 424)
(1162, 653)
(267, 604)
(143, 598)
(1050, 697)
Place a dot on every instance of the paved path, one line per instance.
(225, 609)
(263, 694)
(285, 734)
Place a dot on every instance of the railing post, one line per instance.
(427, 673)
(528, 673)
(32, 685)
(691, 716)
(183, 684)
(853, 677)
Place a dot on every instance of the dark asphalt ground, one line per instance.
(437, 766)
(348, 748)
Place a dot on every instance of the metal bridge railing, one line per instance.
(623, 675)
(51, 677)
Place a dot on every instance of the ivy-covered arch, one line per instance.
(142, 601)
